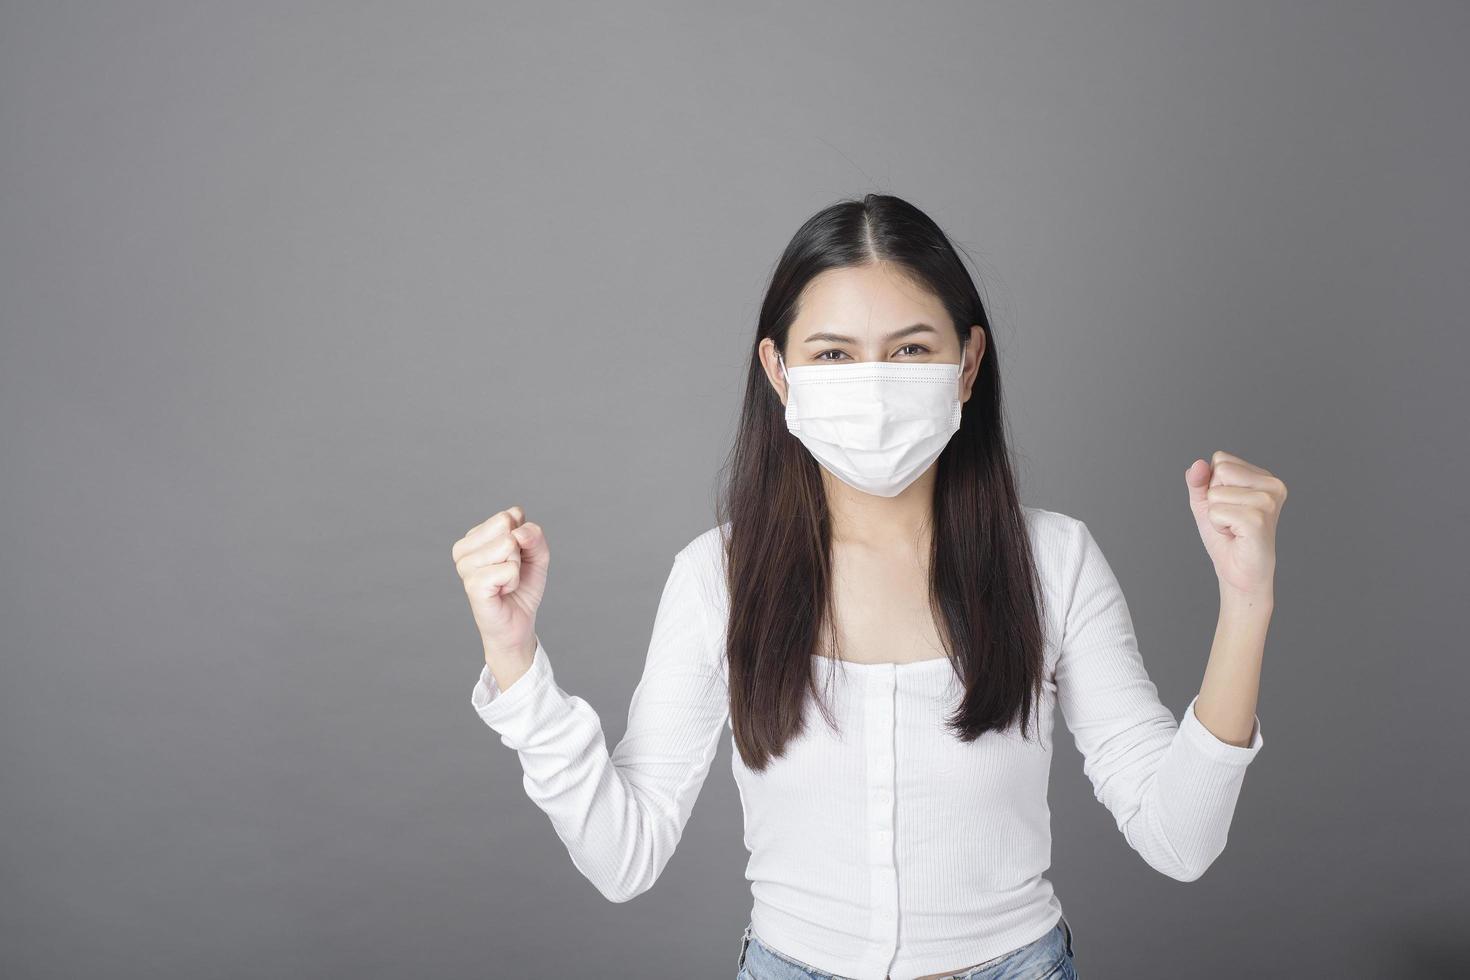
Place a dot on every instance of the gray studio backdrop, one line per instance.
(293, 295)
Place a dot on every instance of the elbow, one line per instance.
(617, 892)
(626, 880)
(622, 891)
(630, 866)
(1190, 868)
(1185, 872)
(616, 895)
(1183, 857)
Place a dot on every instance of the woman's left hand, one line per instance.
(1236, 505)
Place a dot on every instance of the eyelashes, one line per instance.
(920, 349)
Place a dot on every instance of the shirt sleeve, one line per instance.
(1171, 786)
(621, 814)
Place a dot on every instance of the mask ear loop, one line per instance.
(782, 361)
(959, 398)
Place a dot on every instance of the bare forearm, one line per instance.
(1236, 506)
(1232, 681)
(509, 666)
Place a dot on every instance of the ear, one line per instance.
(767, 351)
(974, 353)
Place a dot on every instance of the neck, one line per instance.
(880, 522)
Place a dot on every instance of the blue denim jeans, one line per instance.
(1047, 958)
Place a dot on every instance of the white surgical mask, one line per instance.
(875, 425)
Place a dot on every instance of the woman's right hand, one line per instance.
(503, 563)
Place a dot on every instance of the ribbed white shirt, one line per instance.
(888, 848)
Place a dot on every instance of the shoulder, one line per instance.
(703, 559)
(1074, 568)
(707, 545)
(1055, 537)
(1065, 552)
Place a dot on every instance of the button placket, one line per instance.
(883, 878)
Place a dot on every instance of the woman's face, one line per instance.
(871, 313)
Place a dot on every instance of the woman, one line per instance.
(872, 560)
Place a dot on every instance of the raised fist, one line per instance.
(503, 564)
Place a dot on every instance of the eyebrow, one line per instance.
(839, 339)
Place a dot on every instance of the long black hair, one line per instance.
(984, 590)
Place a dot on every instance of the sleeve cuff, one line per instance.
(1205, 741)
(495, 705)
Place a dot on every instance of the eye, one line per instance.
(823, 355)
(918, 348)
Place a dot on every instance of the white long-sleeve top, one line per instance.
(887, 849)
